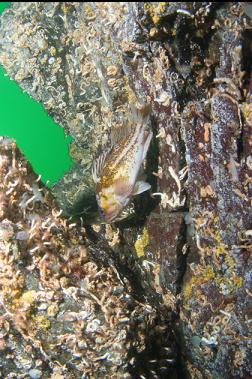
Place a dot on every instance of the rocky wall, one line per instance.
(182, 256)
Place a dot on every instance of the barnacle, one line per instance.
(112, 236)
(207, 191)
(239, 357)
(46, 274)
(63, 286)
(112, 70)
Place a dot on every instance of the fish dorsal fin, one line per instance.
(140, 187)
(98, 165)
(140, 116)
(137, 116)
(118, 133)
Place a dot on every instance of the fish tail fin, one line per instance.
(140, 115)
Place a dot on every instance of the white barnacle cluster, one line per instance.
(175, 199)
(224, 325)
(51, 291)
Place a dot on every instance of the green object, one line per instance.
(43, 142)
(4, 5)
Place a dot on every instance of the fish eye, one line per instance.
(101, 211)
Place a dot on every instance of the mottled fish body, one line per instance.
(116, 171)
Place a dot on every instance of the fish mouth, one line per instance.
(112, 215)
(110, 218)
(112, 212)
(115, 213)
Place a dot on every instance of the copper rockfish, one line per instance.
(116, 171)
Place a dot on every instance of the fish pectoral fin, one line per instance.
(140, 116)
(141, 177)
(140, 187)
(147, 144)
(119, 133)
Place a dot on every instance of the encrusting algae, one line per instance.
(141, 243)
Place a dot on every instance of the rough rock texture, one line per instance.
(185, 250)
(61, 314)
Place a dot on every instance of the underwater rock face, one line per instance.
(185, 252)
(61, 314)
(63, 56)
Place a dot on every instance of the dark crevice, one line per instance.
(247, 60)
(181, 257)
(180, 51)
(246, 67)
(239, 143)
(124, 261)
(158, 359)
